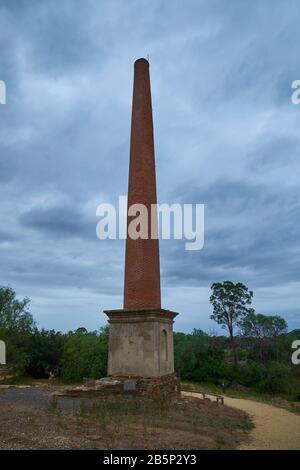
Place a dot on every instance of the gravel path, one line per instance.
(275, 428)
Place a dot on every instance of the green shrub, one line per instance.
(17, 359)
(213, 368)
(45, 350)
(85, 355)
(253, 374)
(276, 380)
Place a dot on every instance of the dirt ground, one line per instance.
(275, 428)
(31, 419)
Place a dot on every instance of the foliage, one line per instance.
(276, 379)
(16, 324)
(252, 374)
(229, 302)
(266, 333)
(196, 358)
(262, 351)
(85, 355)
(263, 326)
(14, 316)
(189, 350)
(45, 350)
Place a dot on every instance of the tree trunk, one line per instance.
(235, 361)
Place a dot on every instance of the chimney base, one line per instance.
(140, 342)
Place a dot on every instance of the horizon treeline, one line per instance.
(260, 359)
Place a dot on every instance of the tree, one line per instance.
(16, 326)
(14, 315)
(277, 326)
(229, 303)
(255, 326)
(266, 329)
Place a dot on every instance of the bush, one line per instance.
(45, 350)
(276, 380)
(17, 358)
(212, 367)
(85, 355)
(190, 351)
(252, 374)
(196, 360)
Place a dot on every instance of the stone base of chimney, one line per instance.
(141, 343)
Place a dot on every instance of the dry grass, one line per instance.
(120, 423)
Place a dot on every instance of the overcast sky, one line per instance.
(226, 135)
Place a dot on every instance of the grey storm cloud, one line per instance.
(262, 246)
(226, 135)
(67, 221)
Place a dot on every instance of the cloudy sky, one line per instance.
(226, 135)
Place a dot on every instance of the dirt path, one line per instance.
(275, 428)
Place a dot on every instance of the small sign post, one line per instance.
(2, 353)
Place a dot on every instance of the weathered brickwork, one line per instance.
(141, 334)
(142, 274)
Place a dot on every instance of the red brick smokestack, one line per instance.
(142, 274)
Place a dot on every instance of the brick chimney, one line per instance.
(142, 274)
(141, 334)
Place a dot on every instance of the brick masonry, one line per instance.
(141, 335)
(142, 273)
